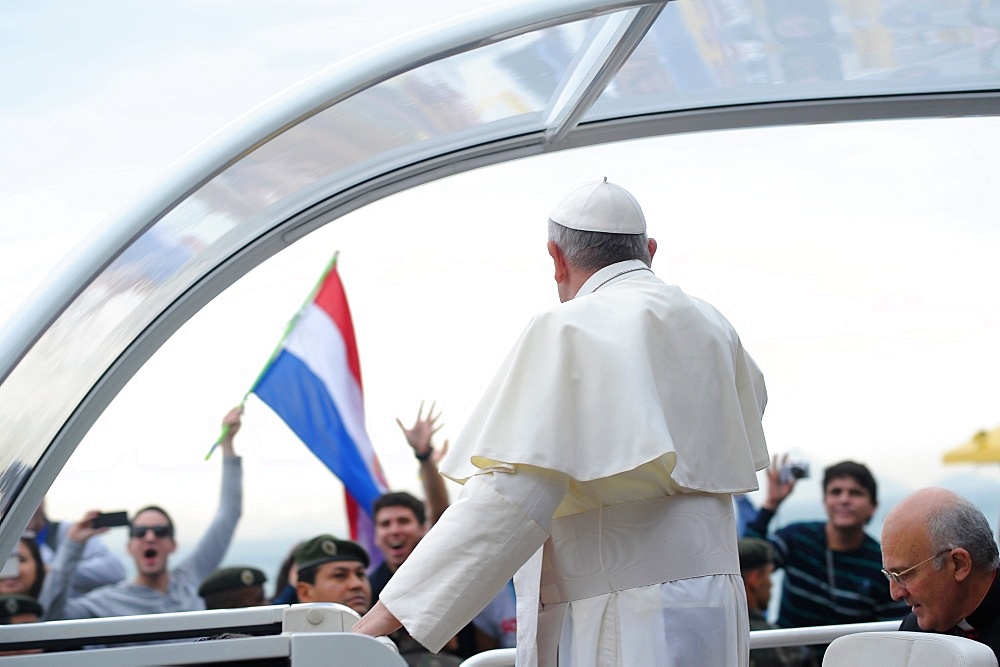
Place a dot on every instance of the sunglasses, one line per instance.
(158, 531)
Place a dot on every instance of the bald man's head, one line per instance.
(939, 555)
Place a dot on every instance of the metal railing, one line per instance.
(504, 657)
(302, 634)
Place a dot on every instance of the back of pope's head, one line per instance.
(597, 224)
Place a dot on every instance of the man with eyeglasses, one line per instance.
(940, 558)
(156, 587)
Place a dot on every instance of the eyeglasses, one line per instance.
(158, 531)
(898, 576)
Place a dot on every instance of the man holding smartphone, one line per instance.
(98, 566)
(156, 588)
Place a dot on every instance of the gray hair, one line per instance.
(962, 525)
(591, 251)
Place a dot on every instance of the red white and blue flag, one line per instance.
(313, 382)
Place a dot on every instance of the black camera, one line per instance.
(793, 470)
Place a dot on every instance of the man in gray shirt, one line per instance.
(156, 588)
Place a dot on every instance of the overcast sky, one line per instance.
(856, 261)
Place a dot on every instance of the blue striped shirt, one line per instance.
(822, 586)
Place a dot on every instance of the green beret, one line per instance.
(14, 604)
(231, 579)
(326, 548)
(754, 553)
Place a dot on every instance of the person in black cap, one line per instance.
(233, 587)
(18, 608)
(332, 570)
(756, 566)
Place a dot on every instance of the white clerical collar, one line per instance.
(612, 274)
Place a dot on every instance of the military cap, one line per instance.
(754, 553)
(325, 548)
(231, 579)
(16, 604)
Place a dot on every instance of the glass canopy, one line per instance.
(490, 89)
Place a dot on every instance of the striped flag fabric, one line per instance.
(313, 382)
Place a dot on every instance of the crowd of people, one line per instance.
(65, 570)
(833, 569)
(935, 568)
(610, 510)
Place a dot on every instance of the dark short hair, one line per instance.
(401, 499)
(281, 580)
(307, 575)
(754, 553)
(154, 508)
(856, 471)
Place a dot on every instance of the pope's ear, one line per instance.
(559, 260)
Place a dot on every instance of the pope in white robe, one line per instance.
(598, 470)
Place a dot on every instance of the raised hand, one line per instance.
(231, 424)
(420, 434)
(777, 488)
(83, 530)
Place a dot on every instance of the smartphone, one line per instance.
(110, 520)
(11, 568)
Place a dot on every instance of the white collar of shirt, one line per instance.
(611, 274)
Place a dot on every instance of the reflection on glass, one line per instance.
(744, 51)
(12, 477)
(450, 103)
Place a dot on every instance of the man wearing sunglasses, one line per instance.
(156, 587)
(939, 556)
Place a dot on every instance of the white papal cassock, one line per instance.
(599, 467)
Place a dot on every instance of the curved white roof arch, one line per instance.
(498, 87)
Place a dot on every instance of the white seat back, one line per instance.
(907, 649)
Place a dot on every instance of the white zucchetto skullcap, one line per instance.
(600, 207)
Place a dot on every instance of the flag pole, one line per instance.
(281, 343)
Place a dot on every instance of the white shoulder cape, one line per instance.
(630, 371)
